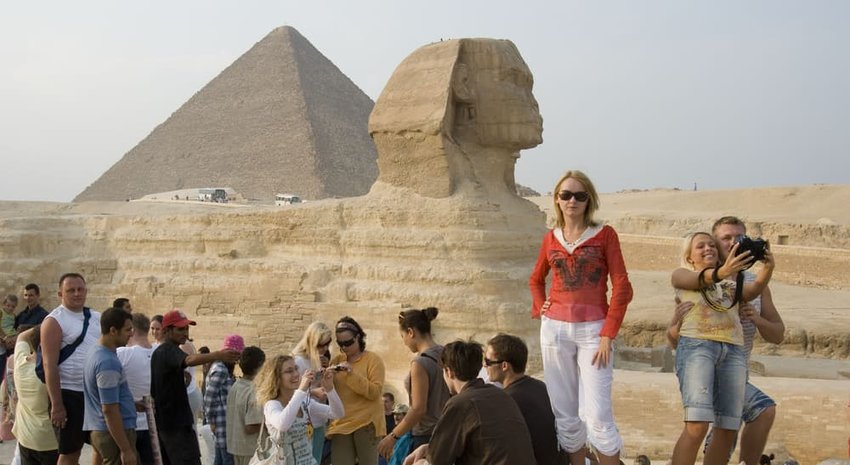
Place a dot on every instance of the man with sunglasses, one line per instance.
(480, 423)
(504, 359)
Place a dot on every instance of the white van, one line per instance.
(286, 199)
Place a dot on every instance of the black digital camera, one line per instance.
(756, 247)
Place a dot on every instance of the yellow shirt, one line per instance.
(714, 324)
(360, 392)
(32, 418)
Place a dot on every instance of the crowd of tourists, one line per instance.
(125, 383)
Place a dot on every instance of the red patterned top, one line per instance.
(580, 281)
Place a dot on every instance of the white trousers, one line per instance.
(568, 350)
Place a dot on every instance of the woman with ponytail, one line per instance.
(425, 385)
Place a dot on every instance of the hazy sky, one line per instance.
(637, 94)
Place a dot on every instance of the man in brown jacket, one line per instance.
(480, 424)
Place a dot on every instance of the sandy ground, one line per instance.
(7, 452)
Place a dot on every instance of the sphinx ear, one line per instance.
(461, 89)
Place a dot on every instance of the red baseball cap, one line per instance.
(177, 319)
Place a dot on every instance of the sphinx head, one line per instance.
(493, 103)
(455, 113)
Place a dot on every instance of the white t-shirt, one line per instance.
(71, 370)
(136, 361)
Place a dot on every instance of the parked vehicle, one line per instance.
(286, 199)
(212, 195)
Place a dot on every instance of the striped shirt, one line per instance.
(747, 325)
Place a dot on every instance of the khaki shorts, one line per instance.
(107, 447)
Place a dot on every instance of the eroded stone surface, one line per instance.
(456, 113)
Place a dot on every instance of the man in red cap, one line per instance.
(175, 422)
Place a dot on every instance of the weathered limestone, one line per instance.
(456, 114)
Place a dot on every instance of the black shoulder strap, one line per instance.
(70, 348)
(739, 288)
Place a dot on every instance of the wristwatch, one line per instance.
(392, 435)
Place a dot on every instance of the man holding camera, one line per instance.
(757, 315)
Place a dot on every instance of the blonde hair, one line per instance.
(687, 243)
(592, 201)
(268, 380)
(307, 347)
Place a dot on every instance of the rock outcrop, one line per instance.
(281, 118)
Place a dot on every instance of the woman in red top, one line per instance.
(578, 324)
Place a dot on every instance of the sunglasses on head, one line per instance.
(567, 195)
(346, 343)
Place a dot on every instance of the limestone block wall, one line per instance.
(266, 274)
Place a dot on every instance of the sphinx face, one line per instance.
(494, 99)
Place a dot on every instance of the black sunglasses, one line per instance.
(567, 195)
(488, 362)
(346, 343)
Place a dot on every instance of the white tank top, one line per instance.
(71, 370)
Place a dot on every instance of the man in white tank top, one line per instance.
(62, 327)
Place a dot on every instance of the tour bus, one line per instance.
(212, 195)
(286, 199)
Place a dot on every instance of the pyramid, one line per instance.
(281, 118)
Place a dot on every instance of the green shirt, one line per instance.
(7, 323)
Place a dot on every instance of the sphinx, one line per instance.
(456, 114)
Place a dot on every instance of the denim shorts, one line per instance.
(712, 376)
(755, 402)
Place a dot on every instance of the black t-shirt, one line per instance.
(390, 422)
(532, 399)
(168, 387)
(31, 316)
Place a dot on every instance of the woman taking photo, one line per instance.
(311, 353)
(578, 324)
(711, 363)
(426, 388)
(360, 384)
(288, 408)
